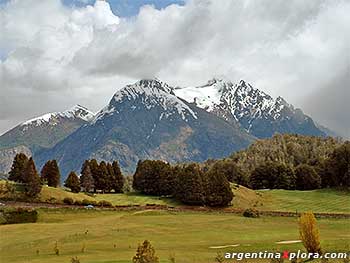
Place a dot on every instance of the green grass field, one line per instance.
(323, 200)
(113, 236)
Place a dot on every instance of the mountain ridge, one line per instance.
(254, 110)
(153, 120)
(147, 121)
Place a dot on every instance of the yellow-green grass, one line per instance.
(110, 236)
(47, 194)
(323, 200)
(135, 199)
(51, 193)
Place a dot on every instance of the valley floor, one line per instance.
(111, 236)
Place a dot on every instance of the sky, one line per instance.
(55, 54)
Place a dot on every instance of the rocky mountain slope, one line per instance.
(147, 120)
(41, 133)
(255, 111)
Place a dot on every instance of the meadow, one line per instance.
(110, 236)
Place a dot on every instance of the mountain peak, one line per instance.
(256, 111)
(76, 111)
(147, 94)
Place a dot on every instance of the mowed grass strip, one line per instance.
(110, 236)
(321, 201)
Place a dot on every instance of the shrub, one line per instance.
(19, 215)
(75, 260)
(52, 200)
(68, 201)
(145, 253)
(309, 233)
(251, 213)
(88, 202)
(105, 203)
(78, 202)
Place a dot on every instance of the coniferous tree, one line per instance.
(154, 177)
(118, 178)
(102, 178)
(216, 188)
(19, 164)
(86, 180)
(110, 180)
(137, 182)
(72, 182)
(189, 185)
(32, 181)
(50, 173)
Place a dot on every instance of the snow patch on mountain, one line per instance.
(77, 111)
(241, 99)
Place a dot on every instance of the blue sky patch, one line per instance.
(126, 8)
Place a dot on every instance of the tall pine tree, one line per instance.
(217, 188)
(118, 178)
(18, 168)
(72, 182)
(50, 173)
(32, 181)
(189, 186)
(86, 180)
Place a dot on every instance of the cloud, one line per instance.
(58, 56)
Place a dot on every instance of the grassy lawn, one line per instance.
(113, 236)
(323, 200)
(135, 199)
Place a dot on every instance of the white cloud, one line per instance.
(60, 56)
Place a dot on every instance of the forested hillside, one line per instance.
(289, 162)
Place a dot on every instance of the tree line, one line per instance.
(103, 176)
(289, 162)
(188, 183)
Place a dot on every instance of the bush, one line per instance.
(52, 200)
(78, 202)
(309, 233)
(251, 213)
(145, 253)
(104, 203)
(68, 201)
(19, 216)
(87, 202)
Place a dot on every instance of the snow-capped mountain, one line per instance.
(46, 130)
(151, 120)
(54, 118)
(147, 120)
(255, 111)
(151, 93)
